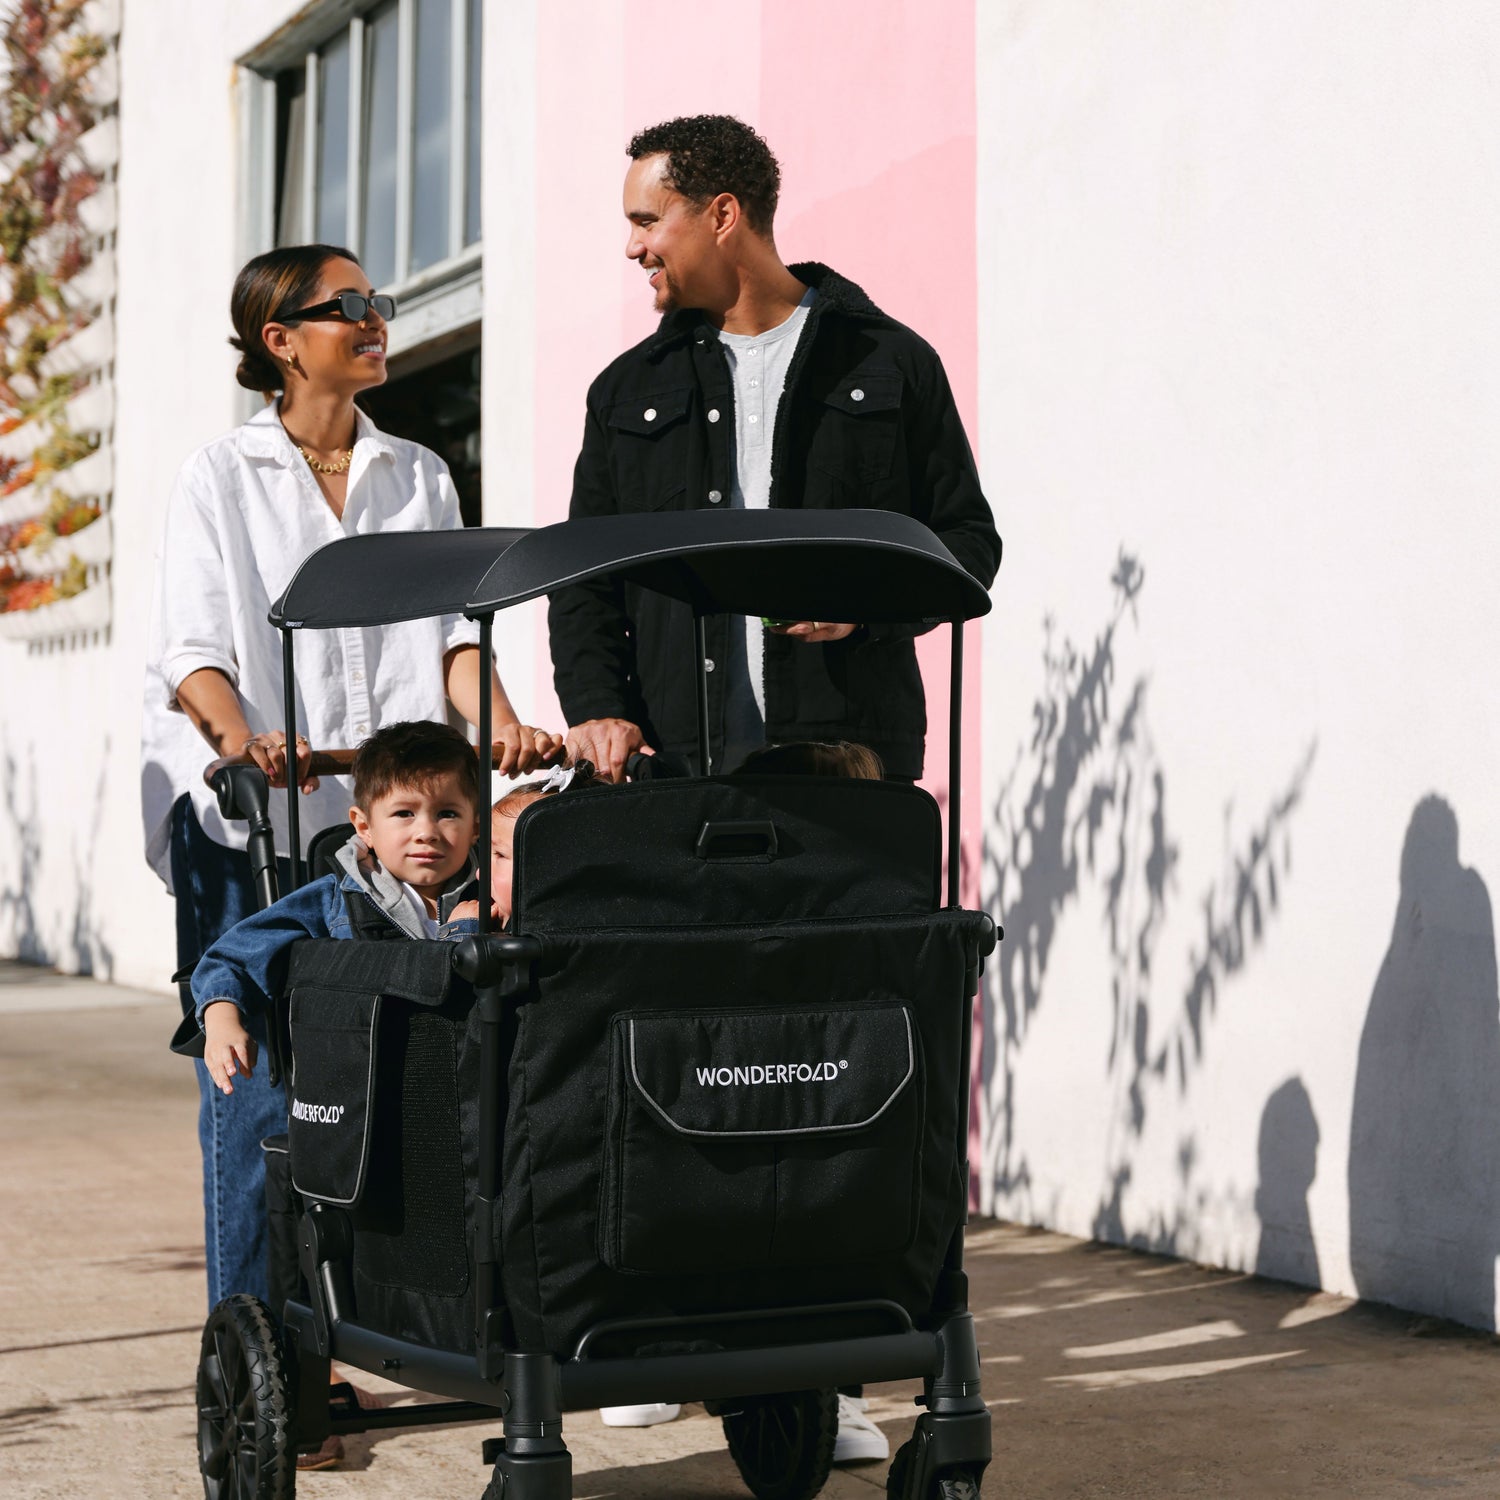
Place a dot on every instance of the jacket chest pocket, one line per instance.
(858, 422)
(649, 442)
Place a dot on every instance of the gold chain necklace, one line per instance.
(318, 467)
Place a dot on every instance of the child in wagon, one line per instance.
(411, 861)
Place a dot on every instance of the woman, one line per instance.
(245, 512)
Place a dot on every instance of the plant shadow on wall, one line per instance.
(92, 955)
(1086, 805)
(20, 874)
(1424, 1181)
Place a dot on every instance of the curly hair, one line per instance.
(712, 154)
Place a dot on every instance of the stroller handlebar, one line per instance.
(323, 763)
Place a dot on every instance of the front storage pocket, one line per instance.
(760, 1138)
(333, 1083)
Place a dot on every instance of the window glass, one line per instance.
(377, 245)
(291, 94)
(471, 167)
(431, 147)
(333, 141)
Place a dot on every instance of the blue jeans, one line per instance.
(214, 891)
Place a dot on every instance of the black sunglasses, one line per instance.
(352, 306)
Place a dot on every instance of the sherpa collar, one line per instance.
(836, 294)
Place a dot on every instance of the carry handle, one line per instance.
(752, 841)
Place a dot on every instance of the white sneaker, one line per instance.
(859, 1438)
(639, 1416)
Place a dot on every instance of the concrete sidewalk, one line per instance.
(1110, 1373)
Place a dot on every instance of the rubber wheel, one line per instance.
(783, 1445)
(244, 1411)
(895, 1479)
(957, 1484)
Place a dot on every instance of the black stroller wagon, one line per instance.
(695, 1129)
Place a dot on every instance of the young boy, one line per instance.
(416, 819)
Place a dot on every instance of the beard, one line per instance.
(667, 300)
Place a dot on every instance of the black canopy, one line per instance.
(870, 566)
(393, 575)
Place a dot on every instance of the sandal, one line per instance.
(329, 1456)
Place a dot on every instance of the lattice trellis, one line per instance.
(59, 144)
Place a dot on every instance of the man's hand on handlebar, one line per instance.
(268, 751)
(812, 630)
(520, 748)
(609, 743)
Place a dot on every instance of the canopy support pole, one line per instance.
(955, 759)
(700, 644)
(293, 780)
(486, 762)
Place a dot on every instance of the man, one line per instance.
(764, 385)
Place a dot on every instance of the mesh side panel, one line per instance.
(415, 1238)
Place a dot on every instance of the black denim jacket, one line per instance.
(866, 420)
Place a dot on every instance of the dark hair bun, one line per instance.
(255, 372)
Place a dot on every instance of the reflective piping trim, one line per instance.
(911, 1067)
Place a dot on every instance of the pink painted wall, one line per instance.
(870, 108)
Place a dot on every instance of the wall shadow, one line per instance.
(1048, 827)
(84, 941)
(1424, 1209)
(1085, 811)
(1288, 1161)
(92, 954)
(18, 880)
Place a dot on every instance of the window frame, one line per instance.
(445, 293)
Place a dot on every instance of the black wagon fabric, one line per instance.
(583, 1144)
(651, 854)
(760, 1138)
(283, 1213)
(413, 1076)
(332, 1108)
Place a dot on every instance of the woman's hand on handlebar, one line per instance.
(268, 751)
(520, 748)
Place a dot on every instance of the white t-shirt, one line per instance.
(243, 515)
(758, 365)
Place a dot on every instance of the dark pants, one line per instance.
(214, 891)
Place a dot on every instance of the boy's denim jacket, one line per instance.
(247, 965)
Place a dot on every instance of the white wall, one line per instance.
(76, 888)
(1239, 315)
(510, 314)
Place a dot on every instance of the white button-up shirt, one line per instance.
(244, 514)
